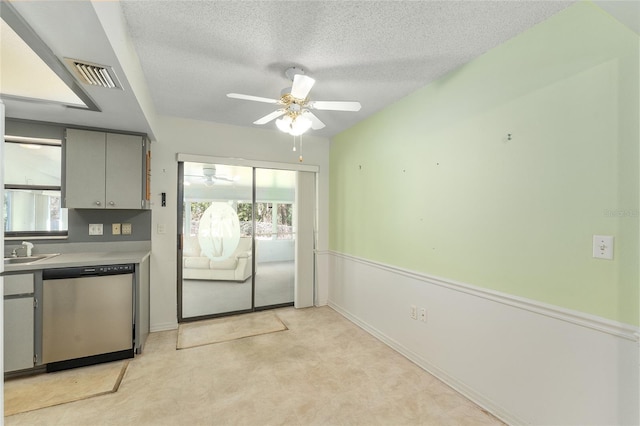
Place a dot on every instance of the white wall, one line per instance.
(525, 321)
(526, 362)
(176, 135)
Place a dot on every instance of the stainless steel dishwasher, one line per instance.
(87, 315)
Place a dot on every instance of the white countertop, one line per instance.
(66, 260)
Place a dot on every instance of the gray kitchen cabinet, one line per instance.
(18, 322)
(104, 170)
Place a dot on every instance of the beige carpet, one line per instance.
(322, 371)
(49, 389)
(230, 328)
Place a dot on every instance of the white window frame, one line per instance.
(34, 234)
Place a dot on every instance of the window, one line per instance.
(285, 220)
(268, 225)
(32, 188)
(274, 221)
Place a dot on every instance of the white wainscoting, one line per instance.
(322, 278)
(524, 361)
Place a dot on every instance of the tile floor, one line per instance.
(323, 370)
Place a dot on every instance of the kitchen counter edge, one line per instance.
(66, 260)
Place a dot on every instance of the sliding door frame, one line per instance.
(180, 237)
(254, 164)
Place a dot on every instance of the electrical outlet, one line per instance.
(115, 229)
(423, 314)
(95, 229)
(413, 312)
(126, 229)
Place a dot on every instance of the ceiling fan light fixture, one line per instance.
(295, 126)
(300, 125)
(284, 123)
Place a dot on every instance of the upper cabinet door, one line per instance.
(124, 172)
(85, 155)
(104, 170)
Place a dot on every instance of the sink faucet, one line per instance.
(28, 246)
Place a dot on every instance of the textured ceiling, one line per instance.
(192, 53)
(195, 52)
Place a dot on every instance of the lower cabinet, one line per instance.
(18, 322)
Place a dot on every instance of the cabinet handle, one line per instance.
(111, 203)
(97, 203)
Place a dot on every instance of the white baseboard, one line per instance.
(164, 327)
(515, 357)
(324, 302)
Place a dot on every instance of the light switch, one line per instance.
(603, 247)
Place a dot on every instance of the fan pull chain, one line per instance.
(294, 144)
(300, 158)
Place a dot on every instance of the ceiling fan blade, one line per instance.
(302, 85)
(335, 105)
(267, 118)
(316, 124)
(252, 98)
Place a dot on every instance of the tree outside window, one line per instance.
(268, 225)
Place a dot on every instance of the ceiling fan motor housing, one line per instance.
(291, 72)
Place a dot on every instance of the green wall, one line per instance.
(433, 183)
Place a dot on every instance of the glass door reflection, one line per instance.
(274, 237)
(217, 253)
(238, 239)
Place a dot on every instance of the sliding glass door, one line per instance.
(217, 243)
(238, 239)
(275, 237)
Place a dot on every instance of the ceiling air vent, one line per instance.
(94, 74)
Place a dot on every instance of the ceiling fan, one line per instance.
(209, 176)
(295, 105)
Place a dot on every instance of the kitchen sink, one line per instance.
(26, 260)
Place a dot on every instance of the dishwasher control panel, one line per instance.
(87, 271)
(114, 269)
